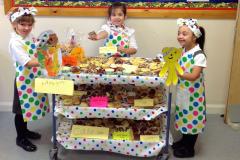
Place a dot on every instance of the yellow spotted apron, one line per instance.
(190, 115)
(33, 105)
(117, 38)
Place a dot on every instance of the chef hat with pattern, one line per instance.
(21, 11)
(192, 24)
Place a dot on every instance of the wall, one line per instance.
(151, 35)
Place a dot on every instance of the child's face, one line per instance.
(23, 28)
(186, 37)
(117, 17)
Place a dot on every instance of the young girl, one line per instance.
(116, 33)
(190, 116)
(27, 104)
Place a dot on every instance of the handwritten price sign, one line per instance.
(145, 102)
(106, 50)
(79, 131)
(99, 101)
(149, 138)
(125, 135)
(54, 86)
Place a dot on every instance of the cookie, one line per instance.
(67, 102)
(84, 104)
(75, 100)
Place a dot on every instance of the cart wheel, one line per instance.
(163, 157)
(53, 154)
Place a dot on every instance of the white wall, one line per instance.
(151, 35)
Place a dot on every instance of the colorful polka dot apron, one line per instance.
(33, 105)
(117, 38)
(190, 115)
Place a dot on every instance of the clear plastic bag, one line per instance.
(73, 53)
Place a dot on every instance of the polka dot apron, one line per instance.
(33, 105)
(117, 38)
(190, 115)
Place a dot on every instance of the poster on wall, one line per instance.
(136, 8)
(134, 3)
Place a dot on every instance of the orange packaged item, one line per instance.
(78, 52)
(73, 52)
(69, 60)
(52, 62)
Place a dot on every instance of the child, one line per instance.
(116, 33)
(27, 104)
(190, 116)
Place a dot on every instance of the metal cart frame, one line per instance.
(163, 155)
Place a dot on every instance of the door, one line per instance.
(232, 113)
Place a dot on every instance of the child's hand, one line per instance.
(93, 36)
(121, 49)
(32, 63)
(179, 75)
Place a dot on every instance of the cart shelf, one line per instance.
(84, 78)
(133, 148)
(73, 112)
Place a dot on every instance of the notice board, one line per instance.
(215, 9)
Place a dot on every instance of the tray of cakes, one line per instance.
(123, 101)
(116, 70)
(133, 144)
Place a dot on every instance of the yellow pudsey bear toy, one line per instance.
(171, 56)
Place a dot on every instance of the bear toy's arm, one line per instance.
(164, 70)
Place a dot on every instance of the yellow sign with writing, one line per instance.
(145, 102)
(109, 49)
(123, 135)
(79, 131)
(54, 86)
(149, 138)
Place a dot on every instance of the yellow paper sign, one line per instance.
(109, 49)
(125, 135)
(149, 138)
(54, 86)
(145, 102)
(79, 131)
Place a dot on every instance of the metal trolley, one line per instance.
(163, 155)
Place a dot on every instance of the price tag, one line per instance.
(149, 138)
(99, 101)
(109, 49)
(79, 131)
(54, 86)
(145, 102)
(125, 135)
